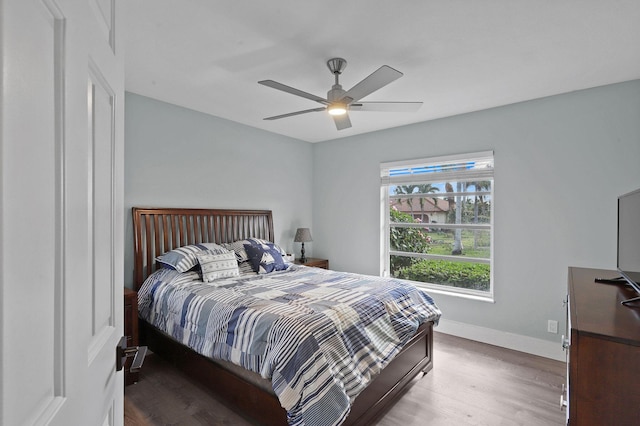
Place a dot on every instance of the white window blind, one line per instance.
(468, 167)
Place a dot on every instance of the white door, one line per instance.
(61, 222)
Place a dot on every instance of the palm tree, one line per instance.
(426, 188)
(457, 239)
(477, 200)
(452, 202)
(406, 190)
(455, 216)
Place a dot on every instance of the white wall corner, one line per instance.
(517, 342)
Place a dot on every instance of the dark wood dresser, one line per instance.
(603, 351)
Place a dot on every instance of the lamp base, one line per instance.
(302, 258)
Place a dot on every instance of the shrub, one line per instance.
(405, 239)
(474, 276)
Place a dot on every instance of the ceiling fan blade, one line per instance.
(342, 121)
(291, 114)
(386, 106)
(288, 89)
(376, 80)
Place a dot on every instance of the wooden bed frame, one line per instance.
(157, 230)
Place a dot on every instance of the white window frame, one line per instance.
(386, 180)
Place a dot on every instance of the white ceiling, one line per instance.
(457, 56)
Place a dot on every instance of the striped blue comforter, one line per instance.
(320, 336)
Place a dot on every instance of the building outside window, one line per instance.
(437, 223)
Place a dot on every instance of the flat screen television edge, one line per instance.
(628, 239)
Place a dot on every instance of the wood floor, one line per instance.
(471, 384)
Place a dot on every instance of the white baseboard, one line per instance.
(503, 339)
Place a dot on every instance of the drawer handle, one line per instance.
(563, 400)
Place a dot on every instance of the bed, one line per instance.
(161, 230)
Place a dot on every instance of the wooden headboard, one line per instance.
(158, 230)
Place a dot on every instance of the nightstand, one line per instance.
(130, 330)
(315, 262)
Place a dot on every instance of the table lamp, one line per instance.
(303, 235)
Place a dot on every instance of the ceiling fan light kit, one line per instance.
(337, 108)
(339, 101)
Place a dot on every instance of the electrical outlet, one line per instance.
(552, 326)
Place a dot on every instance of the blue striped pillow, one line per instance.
(184, 258)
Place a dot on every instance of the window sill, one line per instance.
(488, 298)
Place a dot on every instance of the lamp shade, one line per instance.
(303, 235)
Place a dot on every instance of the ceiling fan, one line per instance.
(339, 101)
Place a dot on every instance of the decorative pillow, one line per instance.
(241, 253)
(246, 268)
(265, 258)
(216, 266)
(184, 258)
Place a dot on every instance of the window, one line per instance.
(437, 227)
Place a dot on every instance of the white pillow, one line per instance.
(216, 266)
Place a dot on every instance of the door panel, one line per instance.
(61, 222)
(31, 193)
(105, 17)
(100, 101)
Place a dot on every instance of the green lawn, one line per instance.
(442, 243)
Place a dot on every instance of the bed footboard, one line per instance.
(257, 404)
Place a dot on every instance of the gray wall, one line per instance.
(176, 157)
(560, 163)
